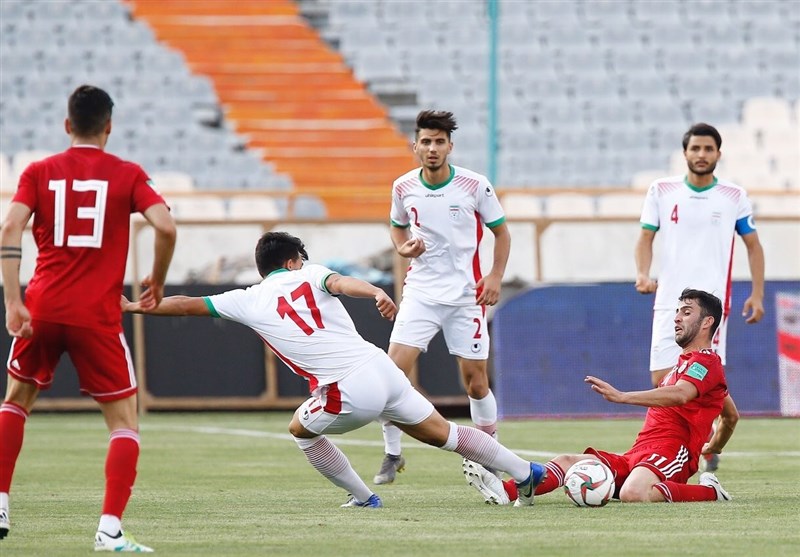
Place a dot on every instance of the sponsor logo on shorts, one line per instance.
(488, 191)
(476, 347)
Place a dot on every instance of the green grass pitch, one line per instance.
(235, 484)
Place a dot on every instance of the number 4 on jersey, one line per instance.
(674, 216)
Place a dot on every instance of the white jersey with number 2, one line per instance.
(696, 230)
(449, 218)
(307, 327)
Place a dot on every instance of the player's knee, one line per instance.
(635, 493)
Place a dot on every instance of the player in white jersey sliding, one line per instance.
(352, 382)
(438, 216)
(696, 217)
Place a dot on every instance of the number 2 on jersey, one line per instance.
(285, 308)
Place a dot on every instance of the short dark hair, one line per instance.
(709, 305)
(702, 129)
(276, 248)
(436, 120)
(89, 110)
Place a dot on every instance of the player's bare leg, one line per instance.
(482, 404)
(404, 357)
(13, 415)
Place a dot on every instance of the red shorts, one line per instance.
(102, 359)
(667, 461)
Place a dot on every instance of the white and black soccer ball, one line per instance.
(589, 483)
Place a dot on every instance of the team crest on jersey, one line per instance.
(455, 211)
(716, 216)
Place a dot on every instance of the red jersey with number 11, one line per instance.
(82, 200)
(690, 423)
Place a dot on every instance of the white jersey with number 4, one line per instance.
(696, 230)
(449, 218)
(307, 327)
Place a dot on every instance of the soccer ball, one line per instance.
(589, 483)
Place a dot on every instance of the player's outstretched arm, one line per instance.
(357, 288)
(164, 245)
(171, 305)
(644, 259)
(727, 423)
(491, 284)
(672, 395)
(753, 309)
(18, 318)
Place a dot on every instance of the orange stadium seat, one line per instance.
(293, 97)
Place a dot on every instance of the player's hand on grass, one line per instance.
(18, 320)
(385, 305)
(152, 294)
(645, 285)
(490, 294)
(753, 310)
(412, 248)
(707, 449)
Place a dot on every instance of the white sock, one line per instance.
(110, 524)
(4, 501)
(479, 446)
(484, 413)
(391, 438)
(329, 461)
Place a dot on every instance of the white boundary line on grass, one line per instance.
(339, 440)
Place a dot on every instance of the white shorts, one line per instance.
(464, 327)
(377, 390)
(664, 351)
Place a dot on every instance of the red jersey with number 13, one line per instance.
(690, 423)
(82, 200)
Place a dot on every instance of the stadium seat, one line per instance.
(253, 207)
(569, 205)
(522, 206)
(620, 205)
(169, 182)
(197, 207)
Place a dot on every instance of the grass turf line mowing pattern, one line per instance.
(235, 484)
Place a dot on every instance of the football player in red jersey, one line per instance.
(82, 200)
(681, 411)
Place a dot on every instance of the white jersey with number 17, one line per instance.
(449, 218)
(696, 229)
(307, 327)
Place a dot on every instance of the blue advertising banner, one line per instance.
(546, 340)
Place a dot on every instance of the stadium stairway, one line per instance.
(291, 95)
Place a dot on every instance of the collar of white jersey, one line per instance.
(696, 188)
(437, 186)
(276, 271)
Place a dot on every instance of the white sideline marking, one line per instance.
(339, 440)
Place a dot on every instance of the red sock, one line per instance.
(685, 493)
(123, 454)
(12, 430)
(554, 480)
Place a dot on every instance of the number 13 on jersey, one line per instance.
(96, 213)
